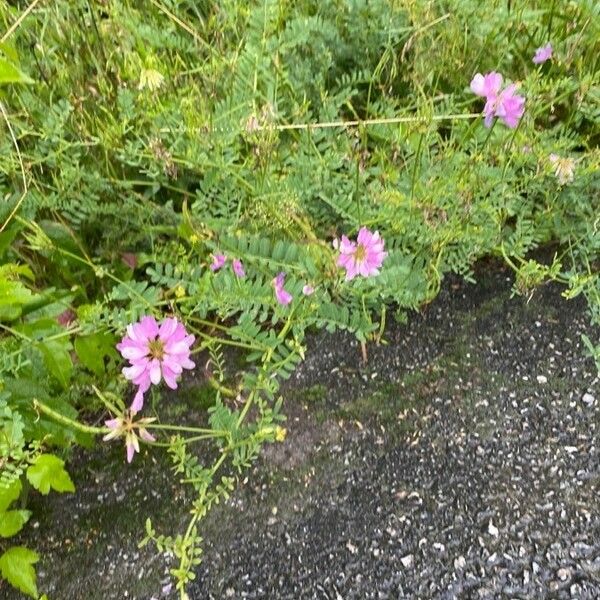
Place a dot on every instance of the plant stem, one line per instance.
(41, 407)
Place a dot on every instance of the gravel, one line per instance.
(475, 475)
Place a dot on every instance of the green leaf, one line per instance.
(9, 494)
(58, 360)
(48, 472)
(9, 73)
(16, 567)
(12, 521)
(91, 350)
(13, 295)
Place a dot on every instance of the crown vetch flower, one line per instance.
(510, 106)
(363, 257)
(124, 426)
(282, 296)
(218, 261)
(238, 267)
(505, 104)
(155, 352)
(486, 85)
(308, 289)
(543, 54)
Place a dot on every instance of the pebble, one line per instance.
(407, 561)
(588, 399)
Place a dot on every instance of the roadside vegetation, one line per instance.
(180, 177)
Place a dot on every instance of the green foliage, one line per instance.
(265, 130)
(48, 472)
(16, 566)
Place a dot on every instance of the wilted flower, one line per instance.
(307, 290)
(155, 352)
(151, 79)
(563, 168)
(505, 104)
(129, 259)
(66, 317)
(238, 268)
(363, 257)
(125, 427)
(282, 296)
(218, 261)
(543, 54)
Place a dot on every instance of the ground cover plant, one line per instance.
(181, 177)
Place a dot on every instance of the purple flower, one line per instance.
(486, 85)
(124, 426)
(363, 257)
(154, 353)
(218, 261)
(238, 268)
(282, 296)
(543, 54)
(505, 104)
(308, 289)
(510, 106)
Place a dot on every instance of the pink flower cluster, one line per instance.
(155, 352)
(363, 257)
(504, 104)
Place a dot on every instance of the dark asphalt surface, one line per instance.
(474, 474)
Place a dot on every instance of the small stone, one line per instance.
(542, 379)
(588, 399)
(460, 562)
(407, 561)
(563, 574)
(492, 530)
(351, 547)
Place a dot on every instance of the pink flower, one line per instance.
(307, 290)
(510, 106)
(238, 268)
(125, 427)
(486, 85)
(363, 257)
(218, 261)
(504, 104)
(282, 296)
(543, 54)
(155, 352)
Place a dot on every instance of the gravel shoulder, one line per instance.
(461, 462)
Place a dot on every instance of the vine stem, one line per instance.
(368, 122)
(44, 408)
